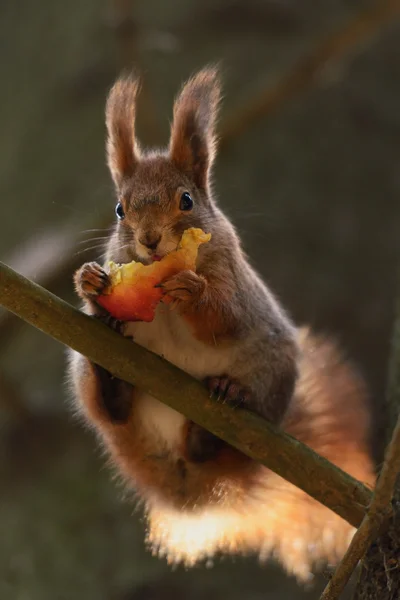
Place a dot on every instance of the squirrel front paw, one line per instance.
(228, 391)
(90, 281)
(185, 287)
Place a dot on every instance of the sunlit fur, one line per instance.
(229, 324)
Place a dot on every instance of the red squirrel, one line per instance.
(224, 327)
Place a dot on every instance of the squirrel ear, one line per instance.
(193, 142)
(122, 148)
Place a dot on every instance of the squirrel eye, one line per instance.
(119, 211)
(186, 202)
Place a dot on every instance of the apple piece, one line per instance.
(132, 295)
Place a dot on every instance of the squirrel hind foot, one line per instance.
(116, 396)
(228, 391)
(201, 445)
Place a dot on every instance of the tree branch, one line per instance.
(48, 258)
(381, 504)
(255, 437)
(377, 578)
(378, 513)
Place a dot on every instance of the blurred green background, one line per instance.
(311, 181)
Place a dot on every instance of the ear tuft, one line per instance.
(122, 148)
(193, 140)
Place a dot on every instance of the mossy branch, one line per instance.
(255, 437)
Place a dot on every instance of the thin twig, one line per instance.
(378, 512)
(304, 73)
(255, 437)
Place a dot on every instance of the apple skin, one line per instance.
(133, 295)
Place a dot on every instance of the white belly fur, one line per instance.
(169, 336)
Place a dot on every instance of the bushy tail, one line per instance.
(274, 519)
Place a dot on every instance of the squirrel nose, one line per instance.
(150, 243)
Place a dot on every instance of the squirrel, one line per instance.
(225, 327)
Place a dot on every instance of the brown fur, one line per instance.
(256, 510)
(122, 148)
(193, 142)
(222, 322)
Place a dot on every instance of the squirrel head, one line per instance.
(162, 193)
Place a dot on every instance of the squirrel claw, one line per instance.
(228, 391)
(186, 286)
(111, 322)
(91, 280)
